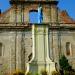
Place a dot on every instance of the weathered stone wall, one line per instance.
(17, 46)
(11, 58)
(19, 15)
(57, 45)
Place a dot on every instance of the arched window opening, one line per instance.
(33, 16)
(0, 49)
(68, 48)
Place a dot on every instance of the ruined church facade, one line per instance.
(16, 33)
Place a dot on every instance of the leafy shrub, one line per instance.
(37, 73)
(66, 73)
(69, 72)
(29, 73)
(44, 72)
(72, 73)
(18, 73)
(55, 73)
(64, 65)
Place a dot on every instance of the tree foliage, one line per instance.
(63, 62)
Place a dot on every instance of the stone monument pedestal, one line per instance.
(40, 50)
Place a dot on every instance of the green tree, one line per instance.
(64, 65)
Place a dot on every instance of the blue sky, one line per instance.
(68, 5)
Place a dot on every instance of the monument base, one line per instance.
(38, 66)
(40, 51)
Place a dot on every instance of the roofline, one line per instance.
(3, 13)
(32, 2)
(65, 17)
